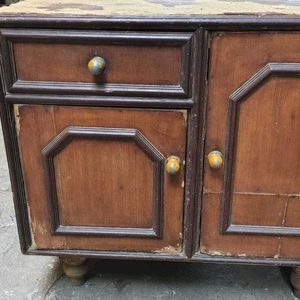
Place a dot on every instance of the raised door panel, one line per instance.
(253, 119)
(95, 178)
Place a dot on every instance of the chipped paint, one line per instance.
(169, 249)
(152, 7)
(184, 114)
(172, 249)
(31, 227)
(17, 118)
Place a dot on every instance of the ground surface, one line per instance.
(31, 278)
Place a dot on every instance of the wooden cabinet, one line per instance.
(164, 137)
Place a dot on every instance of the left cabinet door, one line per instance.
(95, 178)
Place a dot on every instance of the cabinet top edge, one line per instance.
(151, 8)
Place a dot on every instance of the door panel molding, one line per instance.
(234, 101)
(63, 139)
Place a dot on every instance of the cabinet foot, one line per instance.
(75, 268)
(295, 281)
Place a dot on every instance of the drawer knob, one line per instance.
(173, 165)
(96, 65)
(215, 160)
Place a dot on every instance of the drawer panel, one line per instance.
(136, 63)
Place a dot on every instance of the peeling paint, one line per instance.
(169, 249)
(152, 7)
(17, 118)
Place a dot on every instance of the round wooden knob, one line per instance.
(215, 160)
(96, 65)
(173, 165)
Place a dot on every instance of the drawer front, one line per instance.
(95, 178)
(251, 204)
(135, 63)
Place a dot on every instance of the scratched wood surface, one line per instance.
(152, 7)
(266, 171)
(102, 183)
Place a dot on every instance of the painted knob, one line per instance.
(173, 165)
(215, 160)
(96, 65)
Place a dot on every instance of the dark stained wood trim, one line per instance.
(66, 137)
(201, 137)
(15, 169)
(14, 85)
(227, 22)
(97, 101)
(235, 100)
(71, 88)
(263, 230)
(197, 258)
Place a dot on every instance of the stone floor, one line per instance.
(31, 278)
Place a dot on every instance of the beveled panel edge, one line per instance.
(97, 101)
(235, 99)
(80, 88)
(63, 139)
(263, 230)
(14, 85)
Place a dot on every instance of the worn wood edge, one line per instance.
(97, 101)
(180, 257)
(229, 22)
(146, 7)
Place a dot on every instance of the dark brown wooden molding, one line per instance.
(70, 88)
(66, 137)
(14, 85)
(235, 100)
(97, 101)
(171, 23)
(266, 261)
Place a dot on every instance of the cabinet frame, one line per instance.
(196, 122)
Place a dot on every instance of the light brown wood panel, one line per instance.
(258, 209)
(126, 64)
(213, 243)
(268, 139)
(104, 183)
(80, 166)
(266, 168)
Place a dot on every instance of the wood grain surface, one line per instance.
(266, 169)
(125, 64)
(102, 182)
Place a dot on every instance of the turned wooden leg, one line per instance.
(295, 281)
(75, 268)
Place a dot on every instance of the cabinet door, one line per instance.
(251, 203)
(95, 178)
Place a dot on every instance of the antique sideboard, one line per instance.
(154, 130)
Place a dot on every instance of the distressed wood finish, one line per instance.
(112, 187)
(186, 45)
(260, 172)
(137, 63)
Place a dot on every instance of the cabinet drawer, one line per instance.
(135, 63)
(95, 178)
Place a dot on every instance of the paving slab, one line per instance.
(31, 278)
